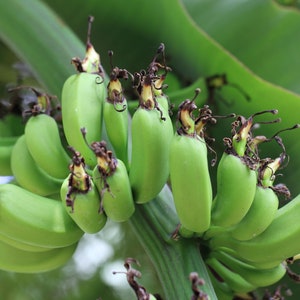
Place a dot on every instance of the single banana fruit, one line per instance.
(45, 146)
(221, 288)
(15, 260)
(35, 220)
(111, 178)
(28, 174)
(257, 277)
(234, 280)
(236, 179)
(83, 95)
(81, 198)
(189, 173)
(152, 131)
(20, 245)
(259, 217)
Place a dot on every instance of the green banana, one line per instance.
(277, 243)
(82, 100)
(236, 186)
(115, 115)
(15, 260)
(22, 246)
(236, 178)
(189, 173)
(262, 210)
(45, 146)
(81, 198)
(234, 280)
(152, 131)
(28, 174)
(221, 288)
(111, 178)
(259, 216)
(35, 220)
(257, 277)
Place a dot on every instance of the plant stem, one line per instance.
(174, 260)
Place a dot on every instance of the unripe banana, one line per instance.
(15, 260)
(28, 174)
(257, 277)
(82, 100)
(111, 178)
(82, 103)
(22, 246)
(35, 220)
(189, 173)
(115, 115)
(236, 186)
(45, 146)
(221, 288)
(277, 243)
(152, 131)
(234, 280)
(81, 198)
(259, 216)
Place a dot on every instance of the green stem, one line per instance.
(174, 260)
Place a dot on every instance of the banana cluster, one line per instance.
(93, 160)
(248, 235)
(68, 179)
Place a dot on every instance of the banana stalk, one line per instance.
(173, 260)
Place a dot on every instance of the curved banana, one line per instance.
(115, 115)
(236, 178)
(234, 280)
(28, 174)
(82, 101)
(152, 131)
(236, 186)
(45, 146)
(189, 173)
(81, 198)
(111, 178)
(15, 260)
(35, 220)
(277, 243)
(259, 217)
(82, 104)
(20, 245)
(255, 276)
(221, 288)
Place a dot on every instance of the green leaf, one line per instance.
(40, 39)
(261, 34)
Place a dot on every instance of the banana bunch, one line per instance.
(98, 160)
